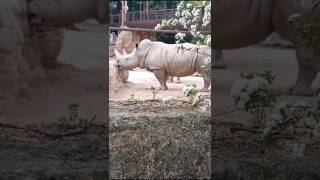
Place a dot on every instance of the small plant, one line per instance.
(73, 120)
(154, 94)
(197, 100)
(255, 92)
(190, 91)
(132, 98)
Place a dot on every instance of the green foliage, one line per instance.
(265, 75)
(154, 94)
(262, 98)
(73, 120)
(132, 98)
(308, 33)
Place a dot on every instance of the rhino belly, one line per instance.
(181, 69)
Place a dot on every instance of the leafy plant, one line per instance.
(132, 98)
(255, 92)
(73, 120)
(197, 100)
(154, 94)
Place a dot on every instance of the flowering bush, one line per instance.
(195, 99)
(255, 92)
(190, 16)
(190, 91)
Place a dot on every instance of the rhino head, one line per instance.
(127, 61)
(137, 58)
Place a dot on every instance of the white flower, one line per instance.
(204, 3)
(175, 22)
(183, 21)
(195, 12)
(180, 6)
(180, 36)
(177, 14)
(158, 27)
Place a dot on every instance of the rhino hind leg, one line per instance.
(178, 80)
(302, 86)
(162, 77)
(170, 79)
(219, 62)
(308, 68)
(206, 83)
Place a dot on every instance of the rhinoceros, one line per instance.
(166, 60)
(252, 21)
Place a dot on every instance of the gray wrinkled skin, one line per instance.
(259, 19)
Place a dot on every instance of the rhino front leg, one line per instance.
(308, 68)
(162, 77)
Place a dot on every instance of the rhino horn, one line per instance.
(124, 52)
(118, 55)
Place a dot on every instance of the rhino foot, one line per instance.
(219, 65)
(163, 88)
(204, 90)
(299, 90)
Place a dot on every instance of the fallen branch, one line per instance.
(53, 135)
(234, 129)
(227, 112)
(274, 135)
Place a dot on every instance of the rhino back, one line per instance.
(241, 23)
(166, 57)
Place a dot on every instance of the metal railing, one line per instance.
(140, 16)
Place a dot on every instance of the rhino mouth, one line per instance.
(119, 67)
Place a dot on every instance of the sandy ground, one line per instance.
(140, 82)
